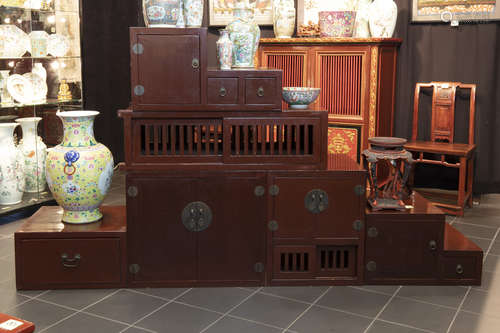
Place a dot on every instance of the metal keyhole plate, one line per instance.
(196, 216)
(316, 201)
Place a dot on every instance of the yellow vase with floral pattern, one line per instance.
(79, 170)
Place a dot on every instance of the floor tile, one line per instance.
(484, 244)
(321, 320)
(11, 228)
(475, 230)
(390, 290)
(40, 313)
(495, 248)
(126, 306)
(305, 294)
(490, 282)
(233, 325)
(9, 298)
(178, 318)
(6, 246)
(134, 330)
(472, 323)
(442, 295)
(492, 263)
(492, 220)
(421, 315)
(354, 300)
(383, 327)
(482, 302)
(84, 323)
(217, 299)
(168, 293)
(76, 298)
(270, 310)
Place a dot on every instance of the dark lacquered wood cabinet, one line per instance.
(227, 247)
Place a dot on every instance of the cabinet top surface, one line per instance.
(331, 40)
(48, 219)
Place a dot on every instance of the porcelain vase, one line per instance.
(245, 35)
(39, 70)
(193, 10)
(160, 13)
(383, 16)
(79, 170)
(224, 50)
(5, 96)
(284, 19)
(361, 26)
(11, 167)
(34, 153)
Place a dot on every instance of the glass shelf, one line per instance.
(46, 102)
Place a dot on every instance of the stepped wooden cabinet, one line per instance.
(357, 78)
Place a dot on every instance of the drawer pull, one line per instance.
(195, 63)
(260, 92)
(222, 92)
(460, 269)
(70, 262)
(432, 245)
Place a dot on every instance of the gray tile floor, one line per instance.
(373, 309)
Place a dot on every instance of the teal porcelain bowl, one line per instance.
(300, 97)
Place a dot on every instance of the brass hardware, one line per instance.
(371, 266)
(259, 191)
(274, 190)
(134, 268)
(316, 201)
(372, 232)
(195, 63)
(222, 92)
(132, 191)
(196, 216)
(260, 92)
(359, 190)
(138, 48)
(432, 245)
(139, 90)
(70, 262)
(273, 225)
(460, 269)
(258, 267)
(357, 225)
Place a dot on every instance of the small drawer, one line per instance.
(459, 267)
(261, 90)
(222, 91)
(69, 262)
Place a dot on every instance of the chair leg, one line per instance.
(461, 185)
(470, 180)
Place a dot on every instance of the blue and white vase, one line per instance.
(245, 35)
(193, 10)
(160, 13)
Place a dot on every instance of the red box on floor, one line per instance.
(15, 325)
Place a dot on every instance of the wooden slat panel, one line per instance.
(147, 140)
(181, 140)
(292, 66)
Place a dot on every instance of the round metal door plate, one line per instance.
(196, 216)
(134, 268)
(316, 201)
(139, 90)
(274, 190)
(138, 48)
(372, 232)
(132, 191)
(259, 191)
(371, 266)
(258, 267)
(273, 225)
(357, 225)
(359, 190)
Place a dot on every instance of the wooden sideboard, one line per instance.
(357, 78)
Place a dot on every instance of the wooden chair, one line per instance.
(441, 147)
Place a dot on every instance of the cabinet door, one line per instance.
(168, 70)
(157, 240)
(230, 248)
(402, 250)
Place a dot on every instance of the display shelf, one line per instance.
(48, 102)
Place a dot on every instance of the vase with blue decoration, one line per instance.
(245, 35)
(79, 170)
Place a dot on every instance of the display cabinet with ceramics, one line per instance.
(40, 75)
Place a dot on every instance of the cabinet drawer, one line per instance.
(261, 90)
(458, 267)
(59, 262)
(222, 91)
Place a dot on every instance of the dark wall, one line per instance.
(469, 53)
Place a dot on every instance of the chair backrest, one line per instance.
(443, 110)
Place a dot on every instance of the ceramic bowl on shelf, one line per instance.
(300, 97)
(337, 23)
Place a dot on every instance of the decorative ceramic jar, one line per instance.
(361, 26)
(11, 167)
(284, 18)
(160, 13)
(39, 43)
(337, 24)
(79, 170)
(245, 35)
(194, 13)
(5, 96)
(383, 16)
(224, 50)
(34, 152)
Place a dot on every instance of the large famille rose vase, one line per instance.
(11, 167)
(79, 170)
(245, 35)
(194, 13)
(161, 13)
(34, 152)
